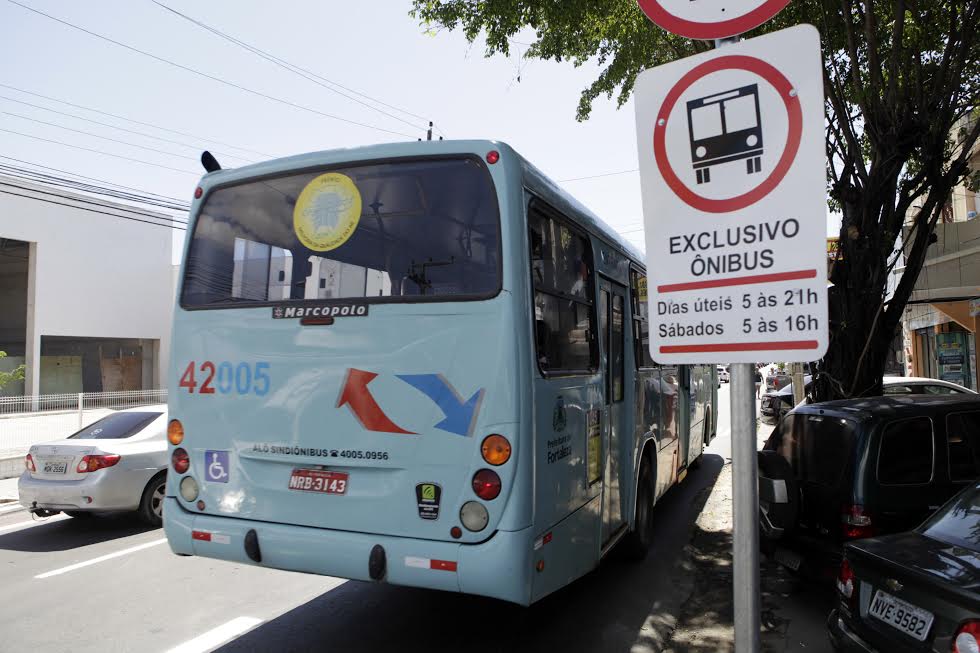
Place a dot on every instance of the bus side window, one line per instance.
(561, 264)
(641, 327)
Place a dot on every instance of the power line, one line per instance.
(206, 75)
(293, 68)
(137, 122)
(93, 202)
(179, 155)
(88, 149)
(61, 182)
(131, 131)
(605, 174)
(82, 208)
(75, 174)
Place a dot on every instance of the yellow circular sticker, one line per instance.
(327, 212)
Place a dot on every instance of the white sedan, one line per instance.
(917, 385)
(118, 463)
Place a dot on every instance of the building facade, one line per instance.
(942, 321)
(86, 291)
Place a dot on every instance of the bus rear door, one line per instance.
(615, 426)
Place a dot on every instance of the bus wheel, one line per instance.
(637, 541)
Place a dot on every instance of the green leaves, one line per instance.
(17, 374)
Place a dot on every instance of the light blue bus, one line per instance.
(422, 364)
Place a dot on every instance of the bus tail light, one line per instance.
(29, 463)
(495, 449)
(474, 516)
(486, 484)
(95, 463)
(493, 156)
(180, 461)
(175, 432)
(188, 488)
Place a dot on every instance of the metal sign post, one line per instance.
(745, 489)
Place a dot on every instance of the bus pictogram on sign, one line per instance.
(725, 127)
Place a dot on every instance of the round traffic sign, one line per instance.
(794, 132)
(710, 20)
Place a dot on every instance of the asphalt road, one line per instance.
(109, 583)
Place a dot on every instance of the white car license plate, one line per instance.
(55, 468)
(898, 614)
(318, 480)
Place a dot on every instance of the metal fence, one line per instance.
(28, 420)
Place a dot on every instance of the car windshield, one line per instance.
(958, 522)
(395, 231)
(117, 426)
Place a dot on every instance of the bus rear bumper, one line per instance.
(499, 568)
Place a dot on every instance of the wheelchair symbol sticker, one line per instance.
(216, 466)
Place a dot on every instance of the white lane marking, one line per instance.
(217, 636)
(33, 522)
(93, 561)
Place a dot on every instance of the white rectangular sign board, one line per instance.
(731, 149)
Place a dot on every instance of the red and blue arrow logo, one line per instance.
(460, 414)
(356, 395)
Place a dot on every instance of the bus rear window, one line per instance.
(397, 231)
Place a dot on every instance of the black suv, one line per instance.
(856, 468)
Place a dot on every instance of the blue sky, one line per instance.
(372, 47)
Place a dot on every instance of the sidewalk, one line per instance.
(793, 612)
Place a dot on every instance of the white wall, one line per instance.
(95, 275)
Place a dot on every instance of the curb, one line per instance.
(10, 508)
(11, 466)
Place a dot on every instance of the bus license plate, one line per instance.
(318, 480)
(901, 615)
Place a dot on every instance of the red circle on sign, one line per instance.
(695, 30)
(795, 114)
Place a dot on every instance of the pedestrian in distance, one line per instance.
(758, 383)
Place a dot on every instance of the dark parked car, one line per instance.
(775, 405)
(777, 381)
(857, 468)
(916, 591)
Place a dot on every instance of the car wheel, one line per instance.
(637, 541)
(151, 504)
(79, 514)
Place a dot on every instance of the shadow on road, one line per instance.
(72, 533)
(620, 607)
